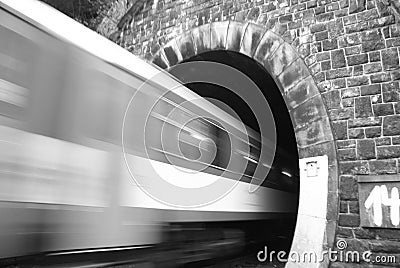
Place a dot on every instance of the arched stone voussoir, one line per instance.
(315, 132)
(159, 60)
(283, 56)
(267, 46)
(172, 53)
(218, 32)
(293, 74)
(251, 39)
(303, 91)
(309, 111)
(186, 45)
(202, 38)
(235, 35)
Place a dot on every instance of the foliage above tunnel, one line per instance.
(88, 12)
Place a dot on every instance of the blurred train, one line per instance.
(64, 181)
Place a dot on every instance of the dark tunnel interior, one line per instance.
(286, 140)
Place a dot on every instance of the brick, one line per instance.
(330, 44)
(373, 132)
(357, 81)
(393, 42)
(335, 28)
(380, 22)
(357, 59)
(363, 107)
(321, 36)
(253, 14)
(348, 102)
(341, 113)
(372, 68)
(365, 122)
(360, 26)
(374, 56)
(364, 233)
(322, 56)
(356, 6)
(390, 59)
(340, 130)
(390, 92)
(354, 207)
(358, 70)
(338, 59)
(286, 18)
(344, 144)
(347, 154)
(332, 99)
(387, 233)
(339, 83)
(371, 90)
(350, 20)
(368, 15)
(372, 40)
(318, 27)
(383, 141)
(385, 152)
(348, 188)
(325, 65)
(380, 167)
(396, 140)
(356, 133)
(376, 99)
(394, 31)
(344, 232)
(380, 77)
(343, 207)
(391, 125)
(325, 17)
(366, 149)
(354, 168)
(384, 246)
(349, 220)
(352, 50)
(395, 75)
(339, 73)
(350, 92)
(383, 109)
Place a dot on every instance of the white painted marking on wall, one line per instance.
(377, 198)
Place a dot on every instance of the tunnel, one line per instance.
(277, 233)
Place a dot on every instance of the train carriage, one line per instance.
(64, 177)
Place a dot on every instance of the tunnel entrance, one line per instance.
(285, 175)
(318, 199)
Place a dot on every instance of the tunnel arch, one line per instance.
(304, 102)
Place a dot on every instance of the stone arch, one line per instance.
(305, 105)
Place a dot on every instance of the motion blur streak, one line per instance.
(64, 186)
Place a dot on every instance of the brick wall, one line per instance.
(351, 48)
